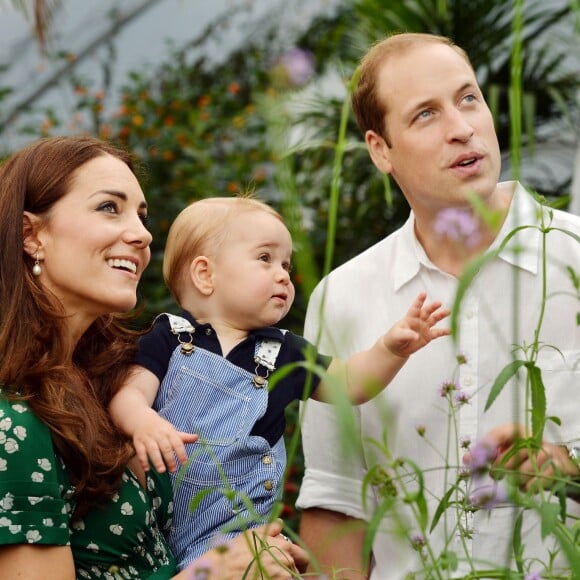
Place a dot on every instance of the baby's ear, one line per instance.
(200, 272)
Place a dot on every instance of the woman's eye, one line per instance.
(145, 219)
(109, 207)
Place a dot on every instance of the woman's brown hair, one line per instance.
(70, 399)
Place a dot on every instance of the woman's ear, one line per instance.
(30, 227)
(201, 275)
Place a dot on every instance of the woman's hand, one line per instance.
(259, 553)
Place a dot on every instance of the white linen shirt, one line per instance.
(363, 298)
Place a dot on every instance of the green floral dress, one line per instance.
(119, 540)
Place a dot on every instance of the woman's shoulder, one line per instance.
(21, 429)
(33, 487)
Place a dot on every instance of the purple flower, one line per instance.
(488, 496)
(200, 569)
(297, 66)
(461, 398)
(220, 543)
(459, 225)
(480, 457)
(446, 388)
(533, 576)
(417, 542)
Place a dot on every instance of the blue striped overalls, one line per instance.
(232, 479)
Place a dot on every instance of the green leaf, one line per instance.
(549, 516)
(517, 542)
(538, 392)
(504, 376)
(198, 497)
(443, 505)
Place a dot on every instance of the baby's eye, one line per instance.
(108, 207)
(287, 266)
(265, 258)
(469, 98)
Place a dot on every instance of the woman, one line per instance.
(73, 500)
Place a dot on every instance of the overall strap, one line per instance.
(178, 326)
(178, 323)
(266, 352)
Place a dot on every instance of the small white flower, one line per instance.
(3, 464)
(15, 528)
(33, 536)
(37, 477)
(45, 464)
(93, 547)
(19, 408)
(156, 502)
(116, 529)
(79, 525)
(11, 446)
(2, 437)
(48, 522)
(34, 499)
(127, 509)
(20, 432)
(5, 522)
(7, 501)
(5, 424)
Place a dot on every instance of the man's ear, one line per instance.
(201, 275)
(30, 227)
(379, 151)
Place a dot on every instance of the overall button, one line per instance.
(267, 459)
(268, 485)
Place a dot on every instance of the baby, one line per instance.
(206, 373)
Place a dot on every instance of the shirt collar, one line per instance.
(410, 255)
(267, 332)
(522, 250)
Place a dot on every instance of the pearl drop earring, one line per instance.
(36, 269)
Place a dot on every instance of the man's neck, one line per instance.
(451, 254)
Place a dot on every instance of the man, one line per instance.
(426, 123)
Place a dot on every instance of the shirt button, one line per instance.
(208, 331)
(267, 459)
(268, 485)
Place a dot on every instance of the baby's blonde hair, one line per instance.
(199, 230)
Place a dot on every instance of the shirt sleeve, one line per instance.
(33, 509)
(156, 347)
(306, 380)
(333, 455)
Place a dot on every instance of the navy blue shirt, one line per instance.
(156, 348)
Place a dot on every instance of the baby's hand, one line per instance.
(416, 329)
(158, 440)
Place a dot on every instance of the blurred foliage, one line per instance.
(201, 129)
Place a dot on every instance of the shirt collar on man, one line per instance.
(410, 255)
